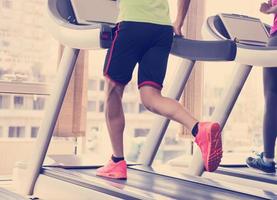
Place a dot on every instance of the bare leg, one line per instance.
(114, 116)
(172, 109)
(208, 136)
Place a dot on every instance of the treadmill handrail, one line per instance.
(80, 38)
(259, 48)
(204, 50)
(68, 32)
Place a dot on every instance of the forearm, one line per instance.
(183, 6)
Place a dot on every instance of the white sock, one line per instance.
(268, 160)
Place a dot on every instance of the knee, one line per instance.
(109, 84)
(112, 88)
(149, 101)
(113, 94)
(148, 104)
(149, 97)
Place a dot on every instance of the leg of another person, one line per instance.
(270, 113)
(265, 161)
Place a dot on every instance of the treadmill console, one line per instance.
(91, 11)
(105, 14)
(244, 29)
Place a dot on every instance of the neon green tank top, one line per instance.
(150, 11)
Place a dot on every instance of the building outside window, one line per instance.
(141, 132)
(92, 84)
(16, 132)
(5, 43)
(129, 107)
(142, 108)
(34, 132)
(91, 106)
(18, 102)
(4, 102)
(7, 4)
(102, 85)
(29, 53)
(1, 132)
(38, 103)
(101, 106)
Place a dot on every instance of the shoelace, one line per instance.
(258, 162)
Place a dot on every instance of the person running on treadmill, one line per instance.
(144, 35)
(265, 161)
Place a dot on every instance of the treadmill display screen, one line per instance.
(245, 29)
(91, 11)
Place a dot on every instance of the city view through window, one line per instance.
(29, 57)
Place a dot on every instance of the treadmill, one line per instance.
(8, 195)
(236, 28)
(72, 181)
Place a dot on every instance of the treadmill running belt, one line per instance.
(166, 187)
(245, 172)
(8, 195)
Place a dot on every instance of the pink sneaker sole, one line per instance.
(113, 176)
(215, 149)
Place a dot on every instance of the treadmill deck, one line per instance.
(145, 185)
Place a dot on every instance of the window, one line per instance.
(142, 108)
(92, 84)
(92, 106)
(16, 132)
(4, 102)
(1, 131)
(38, 103)
(7, 4)
(102, 85)
(101, 106)
(129, 107)
(34, 132)
(141, 132)
(211, 110)
(5, 43)
(18, 102)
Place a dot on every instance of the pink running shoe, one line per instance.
(113, 170)
(208, 139)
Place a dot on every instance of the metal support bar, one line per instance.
(32, 168)
(222, 113)
(154, 139)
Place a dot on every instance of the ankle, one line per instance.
(117, 159)
(194, 130)
(268, 160)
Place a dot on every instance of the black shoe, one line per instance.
(259, 164)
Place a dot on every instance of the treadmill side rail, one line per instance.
(204, 50)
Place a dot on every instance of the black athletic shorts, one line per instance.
(144, 43)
